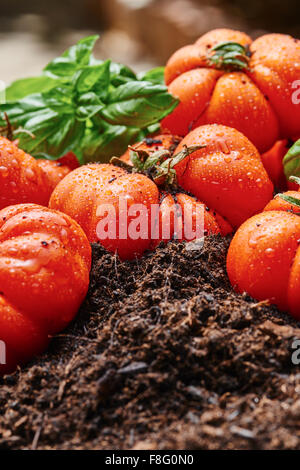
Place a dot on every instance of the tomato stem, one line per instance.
(290, 199)
(121, 164)
(8, 129)
(158, 165)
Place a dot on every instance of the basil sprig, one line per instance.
(91, 107)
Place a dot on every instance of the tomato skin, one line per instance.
(178, 219)
(293, 293)
(272, 161)
(23, 179)
(279, 204)
(258, 122)
(54, 172)
(69, 160)
(264, 255)
(90, 186)
(261, 254)
(277, 56)
(76, 194)
(135, 189)
(22, 337)
(194, 89)
(257, 101)
(227, 174)
(189, 207)
(193, 56)
(45, 259)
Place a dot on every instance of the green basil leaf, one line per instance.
(61, 68)
(155, 75)
(92, 107)
(112, 141)
(72, 59)
(291, 160)
(27, 86)
(20, 111)
(94, 77)
(140, 111)
(53, 135)
(120, 74)
(88, 105)
(59, 99)
(135, 89)
(81, 52)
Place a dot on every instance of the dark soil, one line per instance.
(163, 355)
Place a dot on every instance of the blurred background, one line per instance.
(139, 33)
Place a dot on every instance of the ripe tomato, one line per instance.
(45, 260)
(264, 255)
(227, 174)
(226, 78)
(24, 179)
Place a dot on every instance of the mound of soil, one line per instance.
(163, 355)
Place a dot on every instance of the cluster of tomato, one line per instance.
(234, 99)
(226, 78)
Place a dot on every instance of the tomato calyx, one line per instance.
(158, 165)
(229, 56)
(290, 199)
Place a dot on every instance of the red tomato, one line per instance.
(264, 256)
(45, 260)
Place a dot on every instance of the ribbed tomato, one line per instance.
(227, 78)
(45, 260)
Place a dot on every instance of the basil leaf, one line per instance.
(291, 160)
(139, 112)
(59, 99)
(138, 104)
(94, 77)
(135, 89)
(20, 111)
(88, 105)
(120, 74)
(53, 136)
(155, 75)
(27, 86)
(112, 141)
(72, 59)
(92, 107)
(81, 52)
